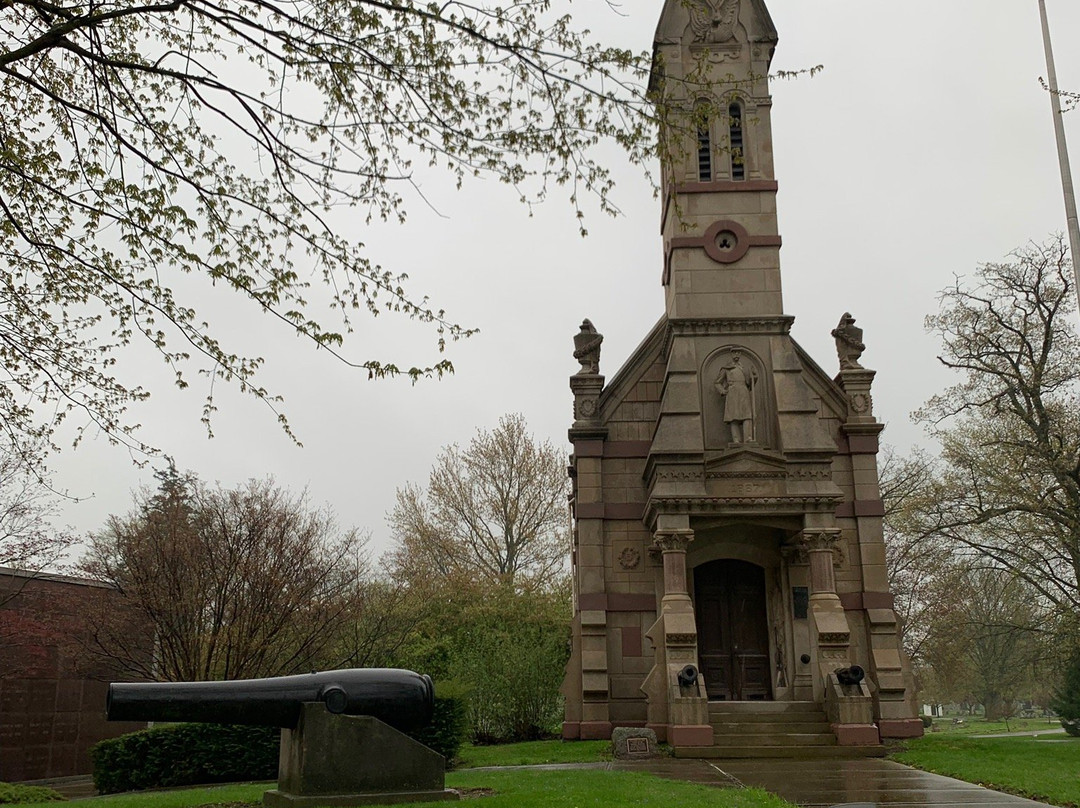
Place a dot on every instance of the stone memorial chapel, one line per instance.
(728, 557)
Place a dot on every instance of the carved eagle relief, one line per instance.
(714, 20)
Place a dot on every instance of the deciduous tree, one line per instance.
(229, 583)
(991, 642)
(1009, 483)
(141, 142)
(922, 565)
(494, 511)
(29, 541)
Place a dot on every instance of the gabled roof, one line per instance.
(635, 366)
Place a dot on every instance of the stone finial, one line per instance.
(849, 344)
(587, 349)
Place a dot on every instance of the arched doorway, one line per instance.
(733, 633)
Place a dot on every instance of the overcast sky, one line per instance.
(924, 148)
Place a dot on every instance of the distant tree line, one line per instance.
(256, 581)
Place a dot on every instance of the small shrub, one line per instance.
(449, 723)
(14, 794)
(1066, 701)
(927, 721)
(185, 754)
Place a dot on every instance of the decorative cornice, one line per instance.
(783, 505)
(725, 186)
(774, 474)
(733, 325)
(682, 476)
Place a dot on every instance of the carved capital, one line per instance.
(672, 541)
(820, 540)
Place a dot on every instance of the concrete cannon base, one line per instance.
(353, 760)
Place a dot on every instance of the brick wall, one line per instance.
(52, 694)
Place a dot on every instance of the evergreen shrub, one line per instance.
(450, 723)
(185, 754)
(15, 794)
(1066, 701)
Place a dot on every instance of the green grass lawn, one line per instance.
(177, 798)
(1046, 769)
(590, 788)
(534, 752)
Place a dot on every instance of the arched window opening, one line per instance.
(735, 134)
(704, 152)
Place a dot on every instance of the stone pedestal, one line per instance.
(353, 760)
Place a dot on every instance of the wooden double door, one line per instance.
(733, 631)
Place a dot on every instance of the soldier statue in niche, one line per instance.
(738, 386)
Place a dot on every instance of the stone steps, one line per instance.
(788, 752)
(772, 729)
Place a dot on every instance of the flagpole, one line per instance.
(1062, 147)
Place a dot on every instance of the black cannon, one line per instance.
(400, 698)
(688, 676)
(850, 676)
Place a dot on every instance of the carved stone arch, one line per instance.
(716, 374)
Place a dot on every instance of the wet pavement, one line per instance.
(866, 781)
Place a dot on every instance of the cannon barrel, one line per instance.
(851, 675)
(400, 698)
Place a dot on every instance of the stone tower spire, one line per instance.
(710, 81)
(728, 539)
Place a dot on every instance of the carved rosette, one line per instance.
(861, 403)
(629, 558)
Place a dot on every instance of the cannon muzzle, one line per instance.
(400, 698)
(851, 675)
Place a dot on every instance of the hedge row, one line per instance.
(185, 754)
(195, 754)
(14, 794)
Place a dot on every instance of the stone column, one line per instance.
(672, 545)
(831, 634)
(820, 545)
(678, 712)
